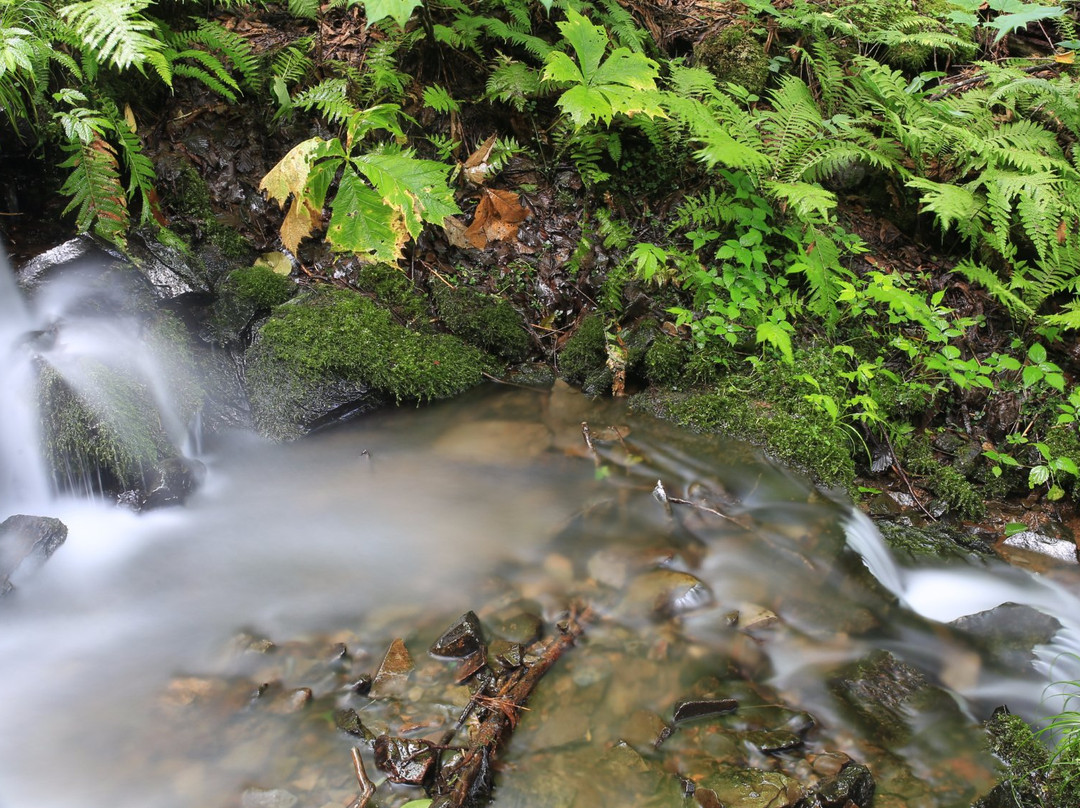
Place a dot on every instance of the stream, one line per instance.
(202, 656)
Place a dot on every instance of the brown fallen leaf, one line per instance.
(455, 232)
(477, 167)
(496, 219)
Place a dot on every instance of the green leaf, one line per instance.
(1037, 353)
(1013, 528)
(115, 30)
(289, 177)
(1031, 374)
(1038, 476)
(361, 223)
(399, 10)
(416, 188)
(1055, 493)
(775, 335)
(1020, 18)
(588, 41)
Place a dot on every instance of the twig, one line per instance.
(900, 471)
(471, 777)
(367, 788)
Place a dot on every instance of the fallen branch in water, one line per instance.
(469, 783)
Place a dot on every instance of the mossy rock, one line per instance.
(585, 352)
(665, 361)
(328, 352)
(767, 407)
(945, 481)
(191, 204)
(483, 320)
(107, 433)
(259, 286)
(1032, 778)
(735, 55)
(394, 291)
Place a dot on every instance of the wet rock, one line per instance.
(268, 798)
(463, 639)
(754, 617)
(392, 678)
(348, 721)
(667, 593)
(690, 709)
(884, 693)
(1032, 542)
(1011, 630)
(26, 542)
(519, 627)
(748, 788)
(405, 760)
(854, 784)
(292, 701)
(172, 481)
(771, 742)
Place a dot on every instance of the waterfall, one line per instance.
(23, 481)
(946, 593)
(90, 344)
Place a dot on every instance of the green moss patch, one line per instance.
(260, 286)
(585, 352)
(338, 345)
(393, 290)
(735, 55)
(484, 320)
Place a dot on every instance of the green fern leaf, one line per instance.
(115, 30)
(95, 190)
(305, 9)
(951, 204)
(985, 277)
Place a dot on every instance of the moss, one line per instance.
(341, 340)
(392, 289)
(260, 286)
(487, 321)
(585, 352)
(191, 200)
(735, 55)
(1032, 779)
(665, 361)
(100, 439)
(943, 480)
(930, 541)
(764, 409)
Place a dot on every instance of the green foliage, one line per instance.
(623, 83)
(384, 194)
(585, 352)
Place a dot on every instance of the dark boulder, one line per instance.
(27, 542)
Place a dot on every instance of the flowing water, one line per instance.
(136, 669)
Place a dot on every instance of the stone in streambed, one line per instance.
(25, 543)
(461, 640)
(689, 709)
(392, 678)
(667, 593)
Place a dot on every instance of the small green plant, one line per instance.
(381, 199)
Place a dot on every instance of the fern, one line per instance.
(513, 83)
(981, 274)
(115, 31)
(235, 49)
(330, 98)
(93, 185)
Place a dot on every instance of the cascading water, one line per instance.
(22, 474)
(123, 686)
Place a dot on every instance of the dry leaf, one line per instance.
(496, 219)
(455, 232)
(1066, 58)
(476, 168)
(1062, 232)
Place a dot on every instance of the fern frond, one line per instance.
(237, 51)
(292, 64)
(952, 205)
(204, 77)
(1068, 319)
(792, 127)
(330, 97)
(809, 202)
(623, 27)
(513, 83)
(140, 169)
(304, 9)
(95, 190)
(114, 30)
(1001, 292)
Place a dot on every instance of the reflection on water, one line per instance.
(122, 685)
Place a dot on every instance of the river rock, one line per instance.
(26, 542)
(1010, 630)
(884, 692)
(667, 593)
(268, 798)
(392, 678)
(1032, 542)
(854, 784)
(748, 788)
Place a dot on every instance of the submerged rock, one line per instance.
(1011, 631)
(393, 675)
(25, 543)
